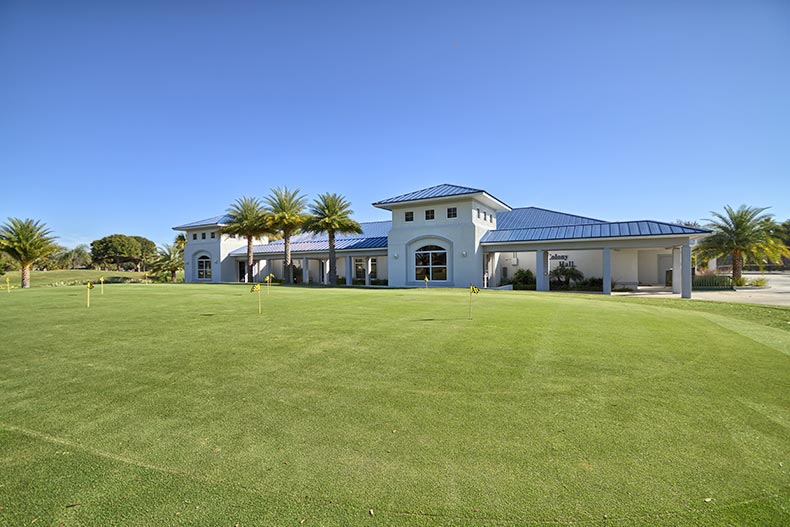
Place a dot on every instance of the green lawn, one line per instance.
(178, 405)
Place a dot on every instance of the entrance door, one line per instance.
(242, 270)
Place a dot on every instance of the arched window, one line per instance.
(430, 261)
(204, 268)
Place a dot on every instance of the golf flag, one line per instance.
(88, 299)
(426, 281)
(472, 291)
(269, 283)
(8, 284)
(257, 289)
(101, 279)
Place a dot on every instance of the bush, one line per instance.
(523, 279)
(758, 282)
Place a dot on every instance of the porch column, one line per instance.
(607, 271)
(305, 271)
(326, 272)
(368, 260)
(349, 269)
(676, 267)
(685, 256)
(542, 270)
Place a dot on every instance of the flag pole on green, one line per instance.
(8, 284)
(472, 291)
(88, 299)
(426, 282)
(101, 280)
(257, 289)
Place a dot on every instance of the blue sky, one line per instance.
(133, 117)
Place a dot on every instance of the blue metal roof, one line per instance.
(438, 191)
(208, 222)
(617, 229)
(374, 236)
(529, 217)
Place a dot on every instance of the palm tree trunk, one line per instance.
(332, 260)
(25, 276)
(289, 275)
(173, 276)
(737, 265)
(250, 260)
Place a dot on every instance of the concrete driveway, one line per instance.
(777, 293)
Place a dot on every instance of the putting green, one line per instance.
(178, 404)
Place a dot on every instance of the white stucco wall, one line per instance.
(223, 268)
(460, 236)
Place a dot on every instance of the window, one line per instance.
(504, 273)
(478, 213)
(485, 215)
(202, 235)
(452, 212)
(194, 236)
(409, 216)
(204, 268)
(491, 218)
(430, 261)
(213, 235)
(429, 215)
(359, 268)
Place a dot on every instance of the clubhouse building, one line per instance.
(456, 236)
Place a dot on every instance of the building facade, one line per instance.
(455, 237)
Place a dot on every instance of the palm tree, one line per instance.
(170, 259)
(745, 233)
(247, 219)
(286, 213)
(181, 241)
(26, 241)
(331, 213)
(564, 274)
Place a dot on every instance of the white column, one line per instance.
(685, 256)
(367, 270)
(305, 271)
(607, 271)
(326, 272)
(349, 269)
(542, 270)
(676, 270)
(712, 264)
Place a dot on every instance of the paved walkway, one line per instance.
(777, 293)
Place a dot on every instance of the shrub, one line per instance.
(739, 282)
(758, 282)
(567, 274)
(523, 279)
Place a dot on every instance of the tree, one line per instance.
(248, 219)
(170, 259)
(79, 257)
(565, 273)
(26, 241)
(745, 233)
(147, 252)
(116, 248)
(286, 214)
(331, 213)
(181, 241)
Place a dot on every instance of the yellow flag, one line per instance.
(473, 289)
(90, 285)
(256, 287)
